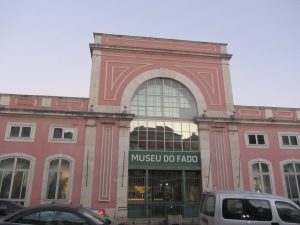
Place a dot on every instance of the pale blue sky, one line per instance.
(44, 45)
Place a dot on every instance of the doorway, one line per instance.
(158, 193)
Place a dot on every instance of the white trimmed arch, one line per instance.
(162, 73)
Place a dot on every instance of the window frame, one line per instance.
(256, 133)
(183, 134)
(19, 138)
(283, 174)
(68, 199)
(30, 170)
(289, 134)
(251, 174)
(51, 139)
(205, 205)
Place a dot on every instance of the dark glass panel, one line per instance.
(14, 131)
(252, 139)
(26, 132)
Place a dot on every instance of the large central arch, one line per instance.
(164, 73)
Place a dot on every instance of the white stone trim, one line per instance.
(20, 139)
(122, 178)
(264, 146)
(4, 100)
(280, 134)
(63, 126)
(227, 87)
(95, 79)
(282, 163)
(88, 163)
(235, 158)
(206, 158)
(46, 102)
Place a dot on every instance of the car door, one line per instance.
(207, 210)
(259, 212)
(233, 211)
(288, 213)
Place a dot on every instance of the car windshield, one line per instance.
(91, 215)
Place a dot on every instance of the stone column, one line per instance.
(88, 163)
(122, 179)
(235, 157)
(205, 157)
(95, 79)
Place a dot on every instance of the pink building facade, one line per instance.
(159, 127)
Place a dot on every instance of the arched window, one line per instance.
(161, 97)
(14, 173)
(58, 179)
(261, 177)
(164, 110)
(292, 180)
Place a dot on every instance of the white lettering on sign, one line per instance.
(165, 158)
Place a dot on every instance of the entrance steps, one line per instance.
(159, 221)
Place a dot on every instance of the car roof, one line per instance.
(57, 206)
(54, 206)
(248, 194)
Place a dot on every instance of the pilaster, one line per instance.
(88, 163)
(235, 156)
(122, 179)
(205, 157)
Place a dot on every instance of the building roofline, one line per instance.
(156, 38)
(43, 96)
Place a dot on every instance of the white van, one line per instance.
(232, 208)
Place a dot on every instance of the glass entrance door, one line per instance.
(153, 193)
(165, 193)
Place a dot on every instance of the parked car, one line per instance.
(7, 207)
(239, 208)
(54, 214)
(7, 223)
(102, 214)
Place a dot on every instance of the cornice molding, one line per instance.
(157, 51)
(68, 114)
(239, 121)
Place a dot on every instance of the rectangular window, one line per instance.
(289, 140)
(62, 134)
(254, 139)
(163, 136)
(20, 132)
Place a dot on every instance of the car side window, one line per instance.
(209, 206)
(233, 209)
(258, 210)
(52, 217)
(32, 218)
(287, 212)
(66, 218)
